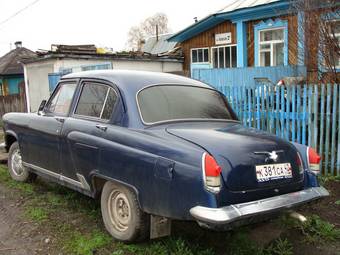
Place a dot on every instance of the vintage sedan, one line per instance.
(156, 147)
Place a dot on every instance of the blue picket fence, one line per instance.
(307, 114)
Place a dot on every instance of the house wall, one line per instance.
(292, 39)
(37, 73)
(206, 39)
(37, 79)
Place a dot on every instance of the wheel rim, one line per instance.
(16, 163)
(119, 210)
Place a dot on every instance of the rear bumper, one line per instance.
(211, 217)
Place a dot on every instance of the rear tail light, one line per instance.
(211, 173)
(313, 160)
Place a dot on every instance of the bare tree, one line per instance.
(147, 28)
(320, 40)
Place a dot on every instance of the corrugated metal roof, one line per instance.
(161, 46)
(240, 4)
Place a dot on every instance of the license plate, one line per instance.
(273, 172)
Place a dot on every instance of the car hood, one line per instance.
(236, 148)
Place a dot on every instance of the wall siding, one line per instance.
(292, 39)
(206, 39)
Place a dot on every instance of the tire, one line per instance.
(121, 213)
(17, 171)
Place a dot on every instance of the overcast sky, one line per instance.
(101, 22)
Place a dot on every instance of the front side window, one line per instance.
(174, 102)
(96, 101)
(62, 99)
(200, 55)
(224, 57)
(271, 47)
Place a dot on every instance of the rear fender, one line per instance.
(310, 179)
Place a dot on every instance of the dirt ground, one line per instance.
(17, 236)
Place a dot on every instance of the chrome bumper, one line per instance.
(231, 213)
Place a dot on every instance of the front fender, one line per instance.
(310, 178)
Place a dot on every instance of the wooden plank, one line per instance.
(282, 110)
(328, 125)
(322, 124)
(315, 114)
(258, 115)
(293, 114)
(334, 127)
(298, 116)
(277, 111)
(287, 136)
(304, 115)
(310, 94)
(249, 106)
(263, 107)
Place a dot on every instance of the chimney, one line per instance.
(157, 32)
(195, 19)
(18, 44)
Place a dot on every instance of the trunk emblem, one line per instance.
(270, 155)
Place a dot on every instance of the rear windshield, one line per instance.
(171, 102)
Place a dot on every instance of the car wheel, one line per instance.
(122, 216)
(15, 167)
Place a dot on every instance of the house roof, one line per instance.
(238, 10)
(240, 4)
(9, 63)
(160, 46)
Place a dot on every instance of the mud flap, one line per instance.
(160, 227)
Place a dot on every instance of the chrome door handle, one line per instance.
(101, 127)
(62, 120)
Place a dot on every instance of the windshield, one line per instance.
(174, 102)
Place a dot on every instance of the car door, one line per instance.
(43, 141)
(83, 132)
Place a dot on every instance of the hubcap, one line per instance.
(16, 163)
(119, 210)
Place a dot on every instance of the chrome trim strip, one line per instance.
(81, 184)
(228, 214)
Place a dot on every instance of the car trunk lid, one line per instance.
(239, 150)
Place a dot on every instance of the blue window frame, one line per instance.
(271, 43)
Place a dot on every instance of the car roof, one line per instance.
(130, 82)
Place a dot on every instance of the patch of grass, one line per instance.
(173, 246)
(337, 202)
(315, 229)
(80, 244)
(323, 179)
(280, 247)
(37, 214)
(6, 179)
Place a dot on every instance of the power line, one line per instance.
(18, 12)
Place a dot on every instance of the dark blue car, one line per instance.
(156, 147)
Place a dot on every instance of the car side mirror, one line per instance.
(42, 105)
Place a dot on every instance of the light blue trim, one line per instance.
(301, 38)
(199, 66)
(268, 25)
(245, 14)
(241, 44)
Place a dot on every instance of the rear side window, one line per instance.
(97, 101)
